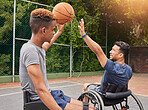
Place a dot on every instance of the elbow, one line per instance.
(96, 52)
(40, 90)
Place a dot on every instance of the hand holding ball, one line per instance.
(63, 12)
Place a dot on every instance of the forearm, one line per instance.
(96, 48)
(48, 100)
(46, 45)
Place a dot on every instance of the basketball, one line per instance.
(63, 12)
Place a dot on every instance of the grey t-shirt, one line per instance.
(31, 54)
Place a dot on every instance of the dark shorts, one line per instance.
(60, 98)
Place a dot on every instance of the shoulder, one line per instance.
(109, 65)
(28, 47)
(128, 67)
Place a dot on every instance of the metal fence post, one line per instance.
(14, 40)
(71, 59)
(106, 36)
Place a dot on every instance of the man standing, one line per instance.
(116, 70)
(32, 69)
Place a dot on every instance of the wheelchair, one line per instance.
(114, 96)
(29, 105)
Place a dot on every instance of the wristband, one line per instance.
(84, 35)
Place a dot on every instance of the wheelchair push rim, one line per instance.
(94, 98)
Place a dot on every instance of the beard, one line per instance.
(113, 59)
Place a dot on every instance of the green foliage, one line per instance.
(132, 15)
(58, 59)
(6, 13)
(138, 14)
(4, 64)
(122, 18)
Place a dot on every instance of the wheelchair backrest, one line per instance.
(113, 88)
(26, 96)
(30, 105)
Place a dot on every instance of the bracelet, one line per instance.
(84, 35)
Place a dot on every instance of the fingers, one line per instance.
(81, 24)
(82, 21)
(79, 27)
(57, 24)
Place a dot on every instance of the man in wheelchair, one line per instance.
(32, 71)
(114, 84)
(116, 70)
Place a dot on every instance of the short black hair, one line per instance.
(124, 48)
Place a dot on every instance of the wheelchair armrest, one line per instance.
(97, 85)
(117, 95)
(35, 106)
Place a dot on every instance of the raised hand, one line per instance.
(81, 27)
(60, 27)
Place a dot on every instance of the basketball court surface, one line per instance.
(11, 97)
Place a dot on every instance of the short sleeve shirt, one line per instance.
(116, 73)
(31, 54)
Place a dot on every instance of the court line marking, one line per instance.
(11, 87)
(75, 84)
(48, 83)
(65, 86)
(64, 81)
(51, 88)
(10, 94)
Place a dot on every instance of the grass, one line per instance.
(9, 79)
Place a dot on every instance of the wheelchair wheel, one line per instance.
(130, 103)
(93, 98)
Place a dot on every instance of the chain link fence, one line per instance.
(57, 56)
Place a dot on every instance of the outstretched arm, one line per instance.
(96, 48)
(46, 45)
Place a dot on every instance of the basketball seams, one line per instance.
(62, 14)
(66, 9)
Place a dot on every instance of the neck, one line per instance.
(36, 39)
(121, 61)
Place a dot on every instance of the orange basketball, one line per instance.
(63, 12)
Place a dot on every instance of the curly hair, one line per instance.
(40, 18)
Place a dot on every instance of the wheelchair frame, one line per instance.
(36, 105)
(96, 98)
(120, 102)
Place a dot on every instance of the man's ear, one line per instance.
(121, 55)
(43, 29)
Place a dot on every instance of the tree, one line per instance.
(138, 13)
(131, 16)
(5, 64)
(6, 31)
(87, 10)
